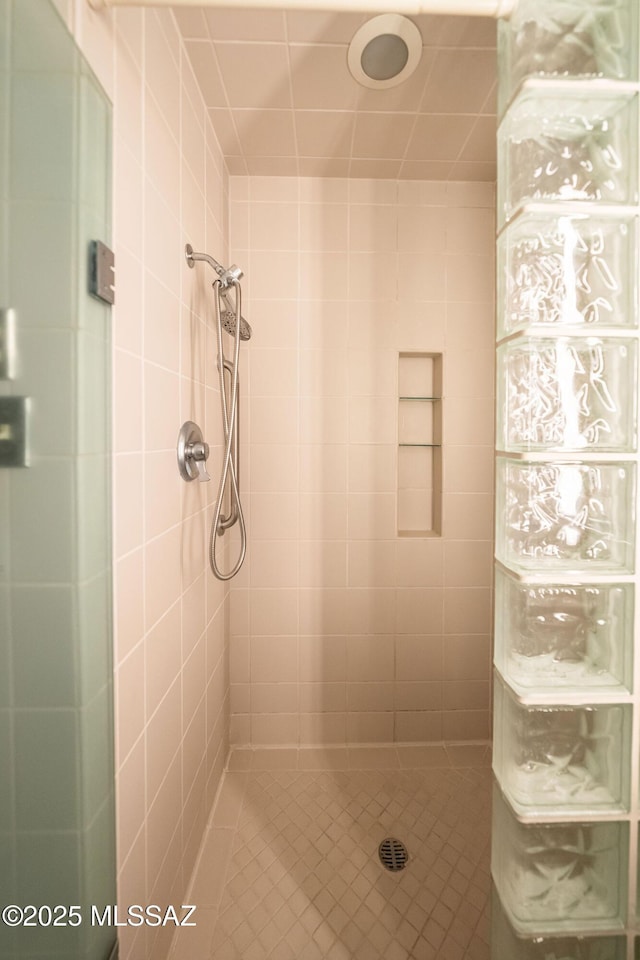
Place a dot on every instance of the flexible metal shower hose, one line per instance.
(229, 424)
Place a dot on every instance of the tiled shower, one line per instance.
(345, 628)
(269, 733)
(325, 637)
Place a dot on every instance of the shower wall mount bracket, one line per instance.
(192, 453)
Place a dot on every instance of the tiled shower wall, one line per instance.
(171, 650)
(341, 631)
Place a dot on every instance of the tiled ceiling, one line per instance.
(283, 102)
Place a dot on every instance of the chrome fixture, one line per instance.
(14, 431)
(228, 308)
(192, 453)
(8, 347)
(102, 272)
(228, 277)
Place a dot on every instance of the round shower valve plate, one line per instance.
(191, 449)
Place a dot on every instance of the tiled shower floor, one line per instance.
(289, 868)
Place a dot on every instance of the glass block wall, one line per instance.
(567, 709)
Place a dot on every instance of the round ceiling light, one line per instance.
(384, 51)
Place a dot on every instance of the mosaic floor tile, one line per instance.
(304, 881)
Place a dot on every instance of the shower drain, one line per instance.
(393, 854)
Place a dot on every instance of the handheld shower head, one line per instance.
(228, 317)
(228, 277)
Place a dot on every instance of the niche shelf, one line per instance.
(419, 444)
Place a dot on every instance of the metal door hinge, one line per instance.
(14, 432)
(102, 280)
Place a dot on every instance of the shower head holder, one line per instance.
(228, 276)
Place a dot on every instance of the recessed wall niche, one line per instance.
(419, 444)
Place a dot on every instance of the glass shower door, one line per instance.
(57, 821)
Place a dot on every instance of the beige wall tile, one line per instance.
(420, 277)
(273, 468)
(273, 612)
(163, 733)
(130, 710)
(370, 697)
(376, 263)
(273, 659)
(323, 420)
(239, 660)
(470, 231)
(419, 657)
(465, 695)
(160, 608)
(273, 373)
(323, 728)
(373, 227)
(468, 469)
(193, 613)
(321, 697)
(131, 794)
(273, 226)
(323, 373)
(418, 726)
(467, 610)
(240, 729)
(274, 697)
(320, 323)
(128, 403)
(371, 515)
(370, 658)
(129, 603)
(420, 563)
(324, 611)
(330, 231)
(240, 698)
(369, 728)
(322, 563)
(468, 516)
(468, 563)
(274, 563)
(470, 278)
(369, 276)
(320, 272)
(323, 658)
(274, 728)
(418, 695)
(466, 725)
(467, 657)
(162, 574)
(194, 687)
(420, 611)
(323, 516)
(422, 228)
(371, 611)
(162, 658)
(273, 419)
(372, 468)
(161, 493)
(372, 563)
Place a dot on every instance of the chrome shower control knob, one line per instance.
(197, 453)
(192, 453)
